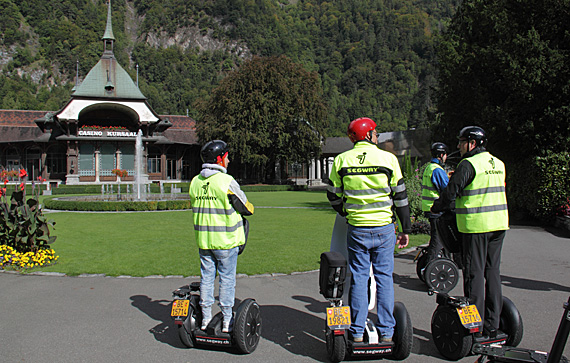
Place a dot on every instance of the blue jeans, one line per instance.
(225, 263)
(371, 245)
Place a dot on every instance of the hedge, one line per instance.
(155, 188)
(537, 186)
(75, 205)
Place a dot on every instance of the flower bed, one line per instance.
(10, 258)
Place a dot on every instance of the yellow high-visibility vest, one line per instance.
(217, 225)
(429, 192)
(365, 177)
(482, 206)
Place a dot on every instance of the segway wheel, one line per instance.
(403, 332)
(186, 330)
(247, 327)
(421, 264)
(336, 346)
(451, 339)
(441, 275)
(511, 323)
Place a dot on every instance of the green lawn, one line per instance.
(288, 232)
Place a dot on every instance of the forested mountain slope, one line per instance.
(373, 57)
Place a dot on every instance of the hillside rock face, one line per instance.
(193, 37)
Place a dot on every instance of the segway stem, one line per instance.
(561, 336)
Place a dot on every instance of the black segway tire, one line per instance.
(403, 332)
(336, 346)
(441, 275)
(186, 330)
(247, 327)
(421, 264)
(511, 323)
(451, 339)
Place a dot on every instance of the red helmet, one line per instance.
(359, 128)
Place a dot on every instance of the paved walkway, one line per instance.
(103, 319)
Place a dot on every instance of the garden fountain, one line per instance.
(140, 192)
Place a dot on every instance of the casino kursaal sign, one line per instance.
(106, 133)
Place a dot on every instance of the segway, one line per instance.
(331, 283)
(456, 322)
(506, 353)
(245, 329)
(441, 274)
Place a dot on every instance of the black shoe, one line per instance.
(491, 333)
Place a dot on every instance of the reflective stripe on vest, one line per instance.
(429, 192)
(217, 225)
(482, 206)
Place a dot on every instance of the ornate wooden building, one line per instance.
(95, 132)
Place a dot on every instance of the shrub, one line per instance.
(413, 180)
(23, 226)
(539, 186)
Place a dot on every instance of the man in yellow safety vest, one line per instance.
(478, 188)
(218, 204)
(365, 183)
(434, 181)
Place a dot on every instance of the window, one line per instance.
(128, 158)
(56, 160)
(86, 160)
(107, 160)
(153, 161)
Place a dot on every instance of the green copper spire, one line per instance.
(109, 28)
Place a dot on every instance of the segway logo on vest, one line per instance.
(361, 158)
(206, 187)
(363, 170)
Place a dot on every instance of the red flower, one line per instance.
(2, 191)
(23, 173)
(5, 181)
(22, 186)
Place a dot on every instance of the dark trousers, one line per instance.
(482, 274)
(435, 244)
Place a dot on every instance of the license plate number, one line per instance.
(469, 316)
(180, 308)
(338, 317)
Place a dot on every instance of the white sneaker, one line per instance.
(205, 323)
(226, 327)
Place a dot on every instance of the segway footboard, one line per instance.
(503, 353)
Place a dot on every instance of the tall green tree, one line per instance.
(505, 66)
(269, 110)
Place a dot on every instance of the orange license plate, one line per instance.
(338, 317)
(180, 308)
(469, 316)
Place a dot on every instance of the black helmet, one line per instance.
(212, 150)
(473, 133)
(438, 148)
